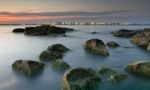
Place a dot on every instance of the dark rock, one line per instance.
(80, 79)
(60, 65)
(50, 55)
(46, 30)
(27, 67)
(18, 30)
(112, 44)
(43, 30)
(96, 46)
(125, 33)
(58, 47)
(140, 68)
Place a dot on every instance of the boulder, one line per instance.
(117, 77)
(50, 55)
(112, 44)
(124, 33)
(27, 67)
(141, 68)
(58, 47)
(80, 79)
(142, 39)
(60, 65)
(18, 30)
(96, 46)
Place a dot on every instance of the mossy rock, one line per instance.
(112, 44)
(60, 65)
(27, 67)
(97, 47)
(117, 77)
(80, 79)
(58, 47)
(50, 55)
(140, 68)
(105, 70)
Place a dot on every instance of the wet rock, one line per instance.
(96, 46)
(60, 65)
(141, 68)
(112, 44)
(125, 33)
(105, 70)
(28, 67)
(117, 77)
(50, 55)
(58, 47)
(80, 79)
(18, 30)
(142, 39)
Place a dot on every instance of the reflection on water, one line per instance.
(18, 46)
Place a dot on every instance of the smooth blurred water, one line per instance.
(19, 46)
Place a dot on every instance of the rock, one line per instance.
(125, 33)
(112, 44)
(105, 70)
(142, 39)
(117, 77)
(141, 68)
(80, 79)
(96, 46)
(46, 30)
(18, 30)
(28, 67)
(50, 55)
(60, 65)
(95, 32)
(58, 47)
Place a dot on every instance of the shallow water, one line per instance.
(18, 46)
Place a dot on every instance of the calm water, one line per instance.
(18, 46)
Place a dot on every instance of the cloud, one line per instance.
(75, 13)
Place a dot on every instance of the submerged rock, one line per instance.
(60, 65)
(117, 77)
(125, 33)
(140, 68)
(112, 44)
(96, 46)
(105, 70)
(142, 39)
(18, 30)
(80, 79)
(50, 55)
(28, 67)
(58, 47)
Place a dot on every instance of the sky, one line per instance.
(31, 11)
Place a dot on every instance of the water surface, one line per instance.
(19, 46)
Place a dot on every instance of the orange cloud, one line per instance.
(26, 18)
